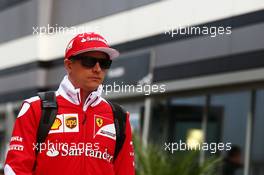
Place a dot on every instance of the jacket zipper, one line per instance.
(84, 140)
(84, 120)
(82, 105)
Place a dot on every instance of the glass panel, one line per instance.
(136, 110)
(177, 119)
(227, 124)
(257, 157)
(2, 121)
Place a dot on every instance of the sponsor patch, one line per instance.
(99, 122)
(56, 125)
(16, 147)
(104, 127)
(16, 138)
(52, 152)
(65, 123)
(71, 122)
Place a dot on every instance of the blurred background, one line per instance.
(214, 84)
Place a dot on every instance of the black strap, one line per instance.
(49, 111)
(120, 118)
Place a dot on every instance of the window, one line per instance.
(135, 110)
(2, 121)
(177, 119)
(257, 151)
(231, 122)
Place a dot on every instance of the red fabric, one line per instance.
(86, 126)
(89, 42)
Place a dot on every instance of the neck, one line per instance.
(83, 93)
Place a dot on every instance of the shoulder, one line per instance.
(34, 102)
(104, 105)
(107, 104)
(30, 103)
(32, 99)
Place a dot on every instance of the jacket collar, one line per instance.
(73, 95)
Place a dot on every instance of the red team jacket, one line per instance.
(80, 141)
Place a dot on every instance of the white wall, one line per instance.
(126, 26)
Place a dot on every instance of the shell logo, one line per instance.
(56, 125)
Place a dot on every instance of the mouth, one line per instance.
(94, 78)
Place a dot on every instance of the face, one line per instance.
(83, 77)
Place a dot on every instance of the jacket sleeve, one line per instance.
(21, 157)
(124, 163)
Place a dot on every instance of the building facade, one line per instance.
(209, 58)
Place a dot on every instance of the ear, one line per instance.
(68, 65)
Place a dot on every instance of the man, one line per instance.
(82, 138)
(232, 161)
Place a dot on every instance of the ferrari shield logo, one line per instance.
(99, 122)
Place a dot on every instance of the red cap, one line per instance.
(86, 42)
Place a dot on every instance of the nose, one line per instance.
(97, 67)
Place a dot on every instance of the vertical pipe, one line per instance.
(148, 102)
(249, 131)
(204, 126)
